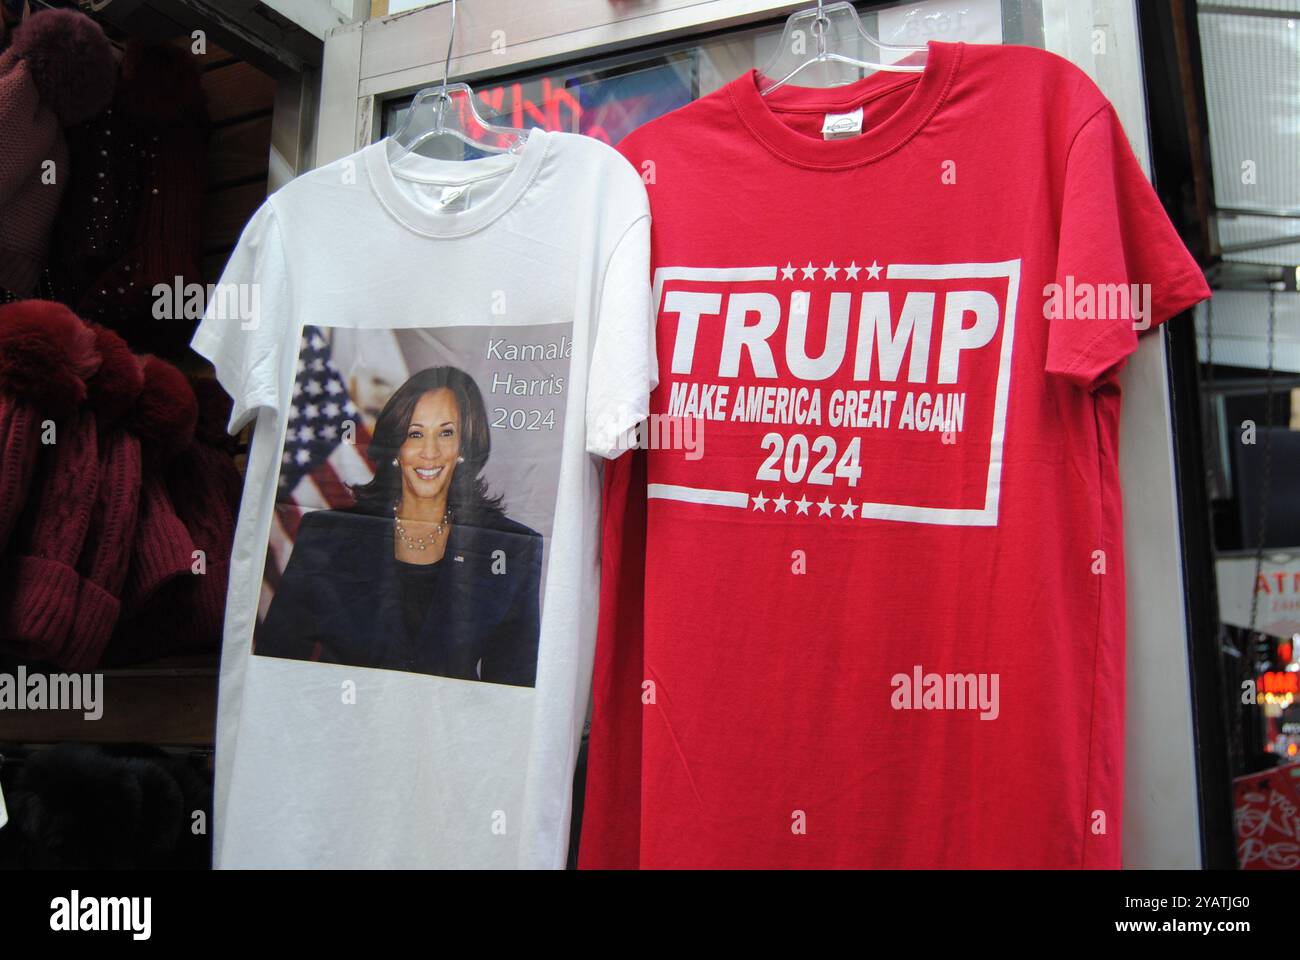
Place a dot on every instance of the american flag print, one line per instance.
(325, 444)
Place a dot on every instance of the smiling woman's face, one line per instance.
(427, 457)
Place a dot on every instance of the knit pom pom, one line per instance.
(166, 411)
(70, 61)
(114, 388)
(46, 355)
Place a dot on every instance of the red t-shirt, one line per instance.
(883, 605)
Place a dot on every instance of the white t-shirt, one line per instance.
(433, 352)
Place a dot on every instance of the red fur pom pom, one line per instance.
(70, 61)
(46, 355)
(119, 380)
(166, 411)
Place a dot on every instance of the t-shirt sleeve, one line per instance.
(623, 366)
(1121, 267)
(245, 319)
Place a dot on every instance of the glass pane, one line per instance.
(610, 97)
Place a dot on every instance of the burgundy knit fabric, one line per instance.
(27, 205)
(163, 417)
(187, 613)
(162, 549)
(45, 355)
(58, 70)
(19, 443)
(106, 556)
(113, 392)
(38, 583)
(206, 488)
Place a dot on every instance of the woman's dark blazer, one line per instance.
(340, 600)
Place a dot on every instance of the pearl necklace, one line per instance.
(420, 543)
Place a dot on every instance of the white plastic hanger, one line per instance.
(432, 114)
(835, 26)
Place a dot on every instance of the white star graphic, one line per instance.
(780, 502)
(831, 271)
(809, 272)
(826, 507)
(852, 270)
(311, 411)
(760, 502)
(848, 507)
(787, 272)
(803, 503)
(303, 457)
(873, 271)
(313, 387)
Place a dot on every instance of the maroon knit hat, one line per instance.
(58, 70)
(107, 551)
(165, 413)
(39, 582)
(204, 484)
(45, 354)
(163, 417)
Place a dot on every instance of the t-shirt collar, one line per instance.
(930, 88)
(424, 169)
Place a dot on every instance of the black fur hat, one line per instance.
(79, 807)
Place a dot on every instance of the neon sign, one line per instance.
(1279, 682)
(606, 107)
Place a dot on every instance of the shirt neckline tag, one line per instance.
(841, 126)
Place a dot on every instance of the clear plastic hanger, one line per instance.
(836, 28)
(433, 113)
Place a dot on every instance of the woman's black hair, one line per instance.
(468, 495)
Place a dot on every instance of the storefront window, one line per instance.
(1248, 341)
(608, 98)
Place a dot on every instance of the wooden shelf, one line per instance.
(167, 702)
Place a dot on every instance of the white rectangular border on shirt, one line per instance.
(986, 516)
